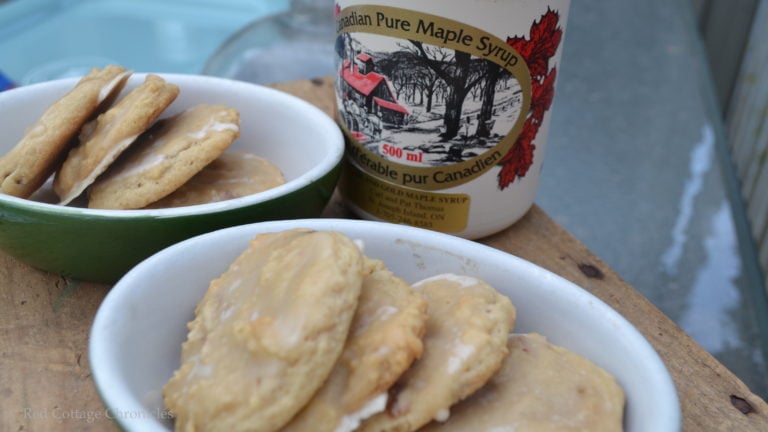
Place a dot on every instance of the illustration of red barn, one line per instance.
(371, 90)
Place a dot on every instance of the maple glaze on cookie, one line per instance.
(464, 345)
(232, 175)
(165, 157)
(267, 333)
(541, 387)
(385, 338)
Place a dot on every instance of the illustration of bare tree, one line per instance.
(493, 71)
(456, 70)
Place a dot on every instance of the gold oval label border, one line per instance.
(366, 19)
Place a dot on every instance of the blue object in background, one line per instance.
(42, 40)
(5, 82)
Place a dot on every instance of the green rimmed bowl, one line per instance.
(102, 245)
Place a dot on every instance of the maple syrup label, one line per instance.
(411, 98)
(434, 95)
(437, 211)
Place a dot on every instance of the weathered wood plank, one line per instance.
(747, 127)
(725, 27)
(750, 100)
(750, 92)
(763, 256)
(757, 203)
(754, 151)
(45, 380)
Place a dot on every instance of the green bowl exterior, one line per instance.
(101, 248)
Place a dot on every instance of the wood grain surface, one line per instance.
(46, 385)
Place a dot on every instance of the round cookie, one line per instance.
(37, 155)
(267, 333)
(165, 157)
(541, 387)
(231, 175)
(464, 345)
(385, 338)
(104, 139)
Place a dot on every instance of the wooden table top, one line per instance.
(45, 319)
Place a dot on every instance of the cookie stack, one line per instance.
(117, 150)
(305, 333)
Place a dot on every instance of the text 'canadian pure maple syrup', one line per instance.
(445, 105)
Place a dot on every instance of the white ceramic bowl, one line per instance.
(101, 245)
(138, 331)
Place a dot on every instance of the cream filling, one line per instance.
(351, 422)
(382, 314)
(459, 355)
(100, 168)
(107, 89)
(150, 160)
(198, 368)
(385, 312)
(443, 415)
(226, 313)
(213, 125)
(463, 281)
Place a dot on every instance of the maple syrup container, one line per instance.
(446, 107)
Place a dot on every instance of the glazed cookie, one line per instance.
(32, 161)
(267, 333)
(464, 345)
(384, 340)
(541, 387)
(104, 139)
(232, 175)
(166, 157)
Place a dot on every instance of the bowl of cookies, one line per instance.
(349, 325)
(99, 172)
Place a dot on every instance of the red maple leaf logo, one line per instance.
(336, 10)
(520, 157)
(542, 94)
(537, 50)
(544, 39)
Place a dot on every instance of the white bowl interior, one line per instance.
(298, 137)
(138, 331)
